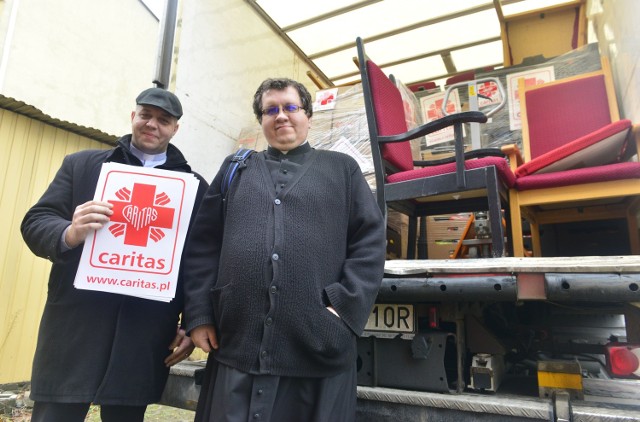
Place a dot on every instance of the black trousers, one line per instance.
(229, 395)
(77, 412)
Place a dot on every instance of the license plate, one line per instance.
(391, 318)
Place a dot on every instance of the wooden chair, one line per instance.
(576, 158)
(472, 181)
(549, 31)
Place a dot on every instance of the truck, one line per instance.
(550, 337)
(529, 338)
(494, 339)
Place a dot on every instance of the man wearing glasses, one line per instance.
(282, 272)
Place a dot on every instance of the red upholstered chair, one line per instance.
(467, 182)
(469, 75)
(576, 151)
(422, 86)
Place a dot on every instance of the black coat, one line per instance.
(93, 346)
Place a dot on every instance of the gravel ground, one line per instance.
(154, 413)
(19, 410)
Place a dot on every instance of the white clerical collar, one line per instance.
(149, 160)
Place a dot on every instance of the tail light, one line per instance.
(433, 317)
(623, 360)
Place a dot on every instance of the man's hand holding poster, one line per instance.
(138, 252)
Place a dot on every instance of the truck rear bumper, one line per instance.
(380, 404)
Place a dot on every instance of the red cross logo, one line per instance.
(435, 109)
(140, 214)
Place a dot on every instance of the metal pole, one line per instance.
(165, 44)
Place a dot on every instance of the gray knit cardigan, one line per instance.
(320, 241)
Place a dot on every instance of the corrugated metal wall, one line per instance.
(30, 154)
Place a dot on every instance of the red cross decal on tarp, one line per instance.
(140, 214)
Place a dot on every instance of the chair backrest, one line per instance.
(469, 75)
(547, 31)
(422, 86)
(385, 113)
(559, 112)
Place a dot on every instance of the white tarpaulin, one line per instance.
(415, 40)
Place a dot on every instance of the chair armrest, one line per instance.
(512, 152)
(635, 140)
(444, 122)
(476, 153)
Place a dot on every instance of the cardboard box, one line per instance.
(394, 244)
(447, 226)
(251, 137)
(444, 232)
(441, 249)
(398, 223)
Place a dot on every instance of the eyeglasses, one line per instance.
(275, 110)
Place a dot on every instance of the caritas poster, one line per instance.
(531, 77)
(138, 252)
(432, 110)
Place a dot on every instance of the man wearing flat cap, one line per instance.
(95, 347)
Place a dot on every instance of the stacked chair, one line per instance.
(576, 164)
(477, 180)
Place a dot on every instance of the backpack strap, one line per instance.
(236, 164)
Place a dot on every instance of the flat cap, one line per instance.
(161, 98)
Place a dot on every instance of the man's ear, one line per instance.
(133, 114)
